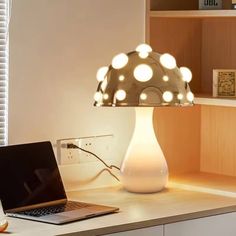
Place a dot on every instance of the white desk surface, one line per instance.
(136, 211)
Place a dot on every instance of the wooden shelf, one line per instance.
(205, 182)
(194, 13)
(214, 101)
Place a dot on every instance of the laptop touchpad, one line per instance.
(77, 213)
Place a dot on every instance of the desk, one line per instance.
(136, 211)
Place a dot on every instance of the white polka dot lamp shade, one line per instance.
(143, 78)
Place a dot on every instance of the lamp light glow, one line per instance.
(143, 48)
(143, 96)
(121, 78)
(168, 96)
(144, 168)
(165, 78)
(119, 61)
(168, 61)
(190, 96)
(120, 95)
(143, 73)
(97, 96)
(101, 73)
(105, 96)
(143, 55)
(180, 96)
(186, 73)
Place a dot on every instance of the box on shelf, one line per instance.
(210, 4)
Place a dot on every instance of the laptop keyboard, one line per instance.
(69, 206)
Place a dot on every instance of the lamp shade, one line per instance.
(143, 78)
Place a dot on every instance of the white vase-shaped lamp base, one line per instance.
(144, 168)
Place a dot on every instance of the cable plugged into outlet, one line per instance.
(73, 150)
(68, 156)
(72, 146)
(99, 145)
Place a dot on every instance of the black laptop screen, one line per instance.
(29, 175)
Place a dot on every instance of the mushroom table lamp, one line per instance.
(143, 79)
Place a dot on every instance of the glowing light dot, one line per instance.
(143, 73)
(101, 73)
(190, 96)
(143, 48)
(105, 96)
(121, 78)
(168, 61)
(119, 61)
(143, 55)
(180, 96)
(165, 78)
(120, 95)
(143, 96)
(97, 96)
(186, 73)
(167, 96)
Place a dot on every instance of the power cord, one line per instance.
(73, 146)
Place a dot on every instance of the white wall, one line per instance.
(56, 47)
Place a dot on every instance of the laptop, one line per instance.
(31, 187)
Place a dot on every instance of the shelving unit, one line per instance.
(202, 40)
(201, 100)
(198, 142)
(163, 5)
(199, 145)
(194, 13)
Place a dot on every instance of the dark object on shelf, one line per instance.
(210, 4)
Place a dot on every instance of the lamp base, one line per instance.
(144, 168)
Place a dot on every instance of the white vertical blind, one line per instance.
(4, 22)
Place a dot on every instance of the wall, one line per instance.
(218, 136)
(199, 138)
(178, 130)
(56, 48)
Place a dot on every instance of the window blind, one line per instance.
(4, 22)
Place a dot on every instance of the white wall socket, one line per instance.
(99, 145)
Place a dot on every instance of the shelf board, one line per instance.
(194, 13)
(214, 101)
(205, 182)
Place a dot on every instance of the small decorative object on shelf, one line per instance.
(234, 4)
(224, 83)
(210, 4)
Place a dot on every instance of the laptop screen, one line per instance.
(29, 175)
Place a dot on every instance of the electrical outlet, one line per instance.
(69, 156)
(99, 145)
